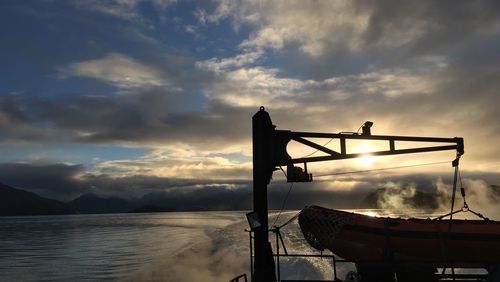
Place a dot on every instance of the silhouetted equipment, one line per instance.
(240, 278)
(366, 128)
(297, 174)
(263, 137)
(269, 153)
(253, 221)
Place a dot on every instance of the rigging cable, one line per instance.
(314, 152)
(353, 133)
(379, 169)
(284, 200)
(455, 163)
(291, 185)
(347, 172)
(455, 176)
(465, 207)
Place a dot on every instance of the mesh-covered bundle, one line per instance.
(320, 226)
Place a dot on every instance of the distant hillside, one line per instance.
(91, 203)
(19, 202)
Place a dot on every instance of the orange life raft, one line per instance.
(361, 238)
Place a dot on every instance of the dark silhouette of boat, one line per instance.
(437, 242)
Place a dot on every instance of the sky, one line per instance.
(129, 97)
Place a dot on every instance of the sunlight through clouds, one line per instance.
(179, 81)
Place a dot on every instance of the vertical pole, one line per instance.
(343, 149)
(263, 167)
(251, 255)
(278, 255)
(334, 268)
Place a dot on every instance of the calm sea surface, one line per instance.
(117, 247)
(190, 246)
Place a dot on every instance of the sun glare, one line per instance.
(369, 213)
(367, 159)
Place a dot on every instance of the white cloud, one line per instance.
(221, 65)
(255, 86)
(190, 29)
(318, 27)
(223, 10)
(124, 9)
(315, 27)
(394, 83)
(119, 70)
(183, 163)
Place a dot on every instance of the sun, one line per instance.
(367, 159)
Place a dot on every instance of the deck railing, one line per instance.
(442, 277)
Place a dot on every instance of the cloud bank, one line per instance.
(187, 96)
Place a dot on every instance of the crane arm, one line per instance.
(281, 138)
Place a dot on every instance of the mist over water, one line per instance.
(398, 200)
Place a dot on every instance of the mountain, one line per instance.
(19, 202)
(92, 203)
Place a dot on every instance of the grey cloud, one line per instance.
(119, 70)
(441, 24)
(351, 37)
(50, 180)
(142, 118)
(66, 182)
(461, 101)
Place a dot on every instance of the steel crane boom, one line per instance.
(269, 152)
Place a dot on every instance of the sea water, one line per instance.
(185, 246)
(115, 247)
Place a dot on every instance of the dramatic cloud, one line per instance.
(53, 180)
(149, 117)
(322, 26)
(424, 68)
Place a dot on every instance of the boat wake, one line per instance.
(222, 252)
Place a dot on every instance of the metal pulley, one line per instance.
(297, 174)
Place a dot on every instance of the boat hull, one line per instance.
(360, 238)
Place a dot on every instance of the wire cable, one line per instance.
(283, 204)
(314, 152)
(284, 200)
(379, 169)
(354, 133)
(346, 172)
(350, 132)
